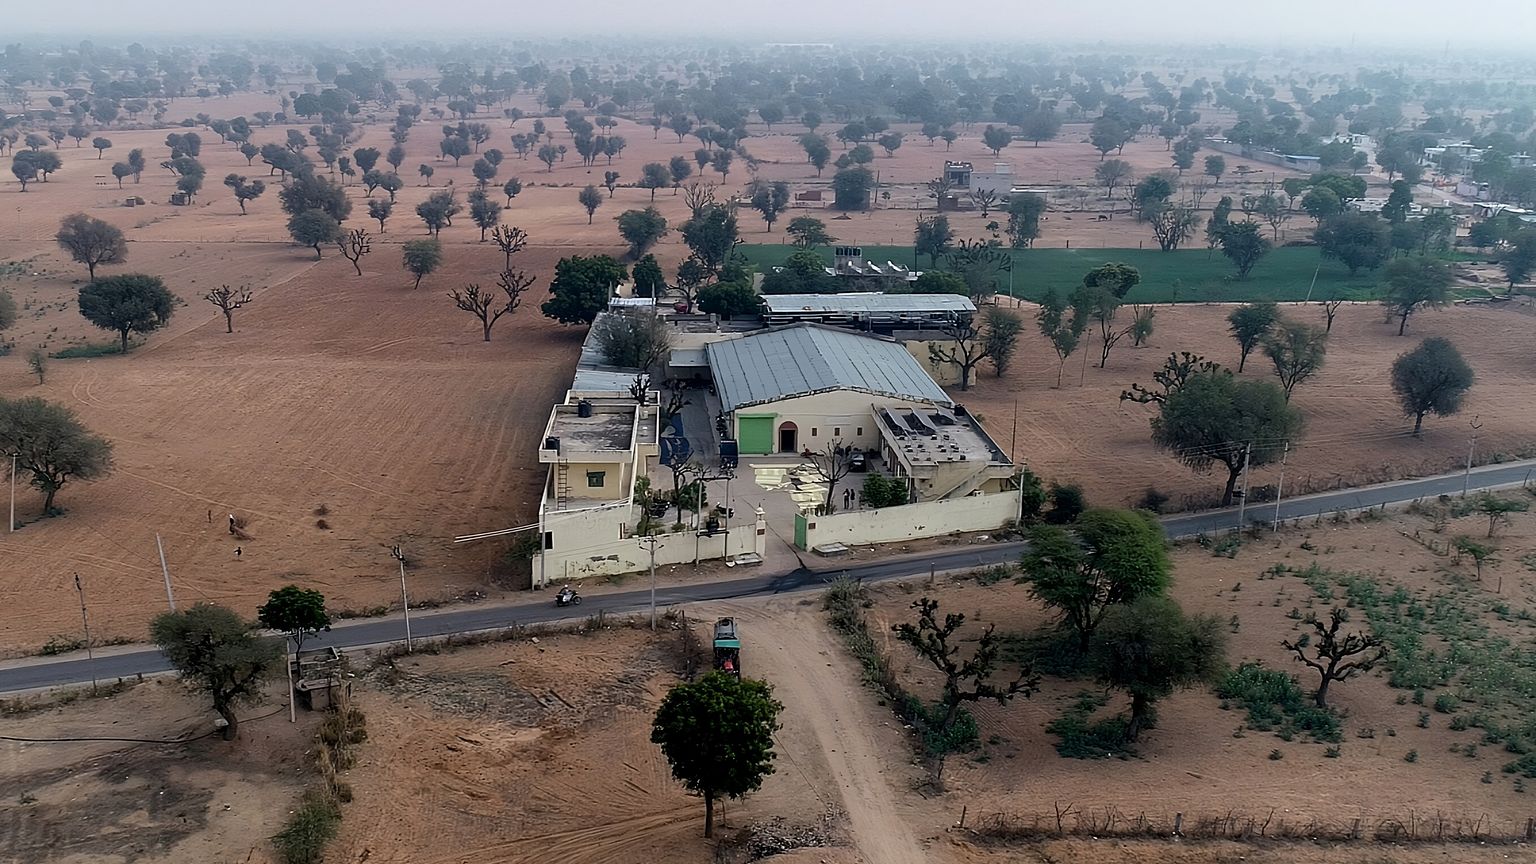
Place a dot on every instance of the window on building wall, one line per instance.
(595, 479)
(813, 431)
(837, 431)
(861, 431)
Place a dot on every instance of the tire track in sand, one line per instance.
(816, 683)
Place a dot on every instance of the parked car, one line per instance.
(858, 462)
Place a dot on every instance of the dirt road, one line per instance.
(826, 707)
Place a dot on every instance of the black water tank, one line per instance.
(584, 408)
(552, 443)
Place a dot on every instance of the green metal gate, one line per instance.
(754, 433)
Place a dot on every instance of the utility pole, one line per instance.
(1466, 475)
(166, 571)
(1242, 503)
(1280, 487)
(405, 600)
(650, 541)
(85, 622)
(14, 458)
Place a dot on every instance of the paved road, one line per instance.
(33, 674)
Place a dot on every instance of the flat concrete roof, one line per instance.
(604, 430)
(930, 437)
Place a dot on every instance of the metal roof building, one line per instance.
(804, 359)
(867, 310)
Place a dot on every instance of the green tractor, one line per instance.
(727, 647)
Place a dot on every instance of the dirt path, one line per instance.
(825, 702)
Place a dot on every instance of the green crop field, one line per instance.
(1186, 276)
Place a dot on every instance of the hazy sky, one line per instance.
(1301, 23)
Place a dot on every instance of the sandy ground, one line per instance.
(113, 802)
(382, 404)
(524, 752)
(1355, 432)
(1194, 760)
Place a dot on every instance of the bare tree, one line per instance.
(1331, 309)
(685, 472)
(964, 681)
(510, 240)
(228, 300)
(832, 463)
(966, 348)
(485, 305)
(984, 199)
(698, 195)
(354, 244)
(1333, 652)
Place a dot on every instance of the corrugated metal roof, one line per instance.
(805, 358)
(867, 303)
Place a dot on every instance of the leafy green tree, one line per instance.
(1249, 324)
(648, 278)
(420, 258)
(120, 172)
(717, 734)
(1519, 260)
(218, 652)
(484, 212)
(1243, 244)
(313, 228)
(1109, 133)
(1024, 212)
(380, 211)
(1148, 648)
(809, 232)
(712, 236)
(890, 142)
(653, 176)
(641, 229)
(102, 145)
(851, 188)
(1395, 211)
(7, 310)
(729, 300)
(297, 612)
(803, 272)
(245, 190)
(1184, 154)
(1357, 240)
(1111, 174)
(130, 303)
(1214, 417)
(1431, 379)
(968, 680)
(581, 288)
(590, 199)
(1062, 324)
(312, 192)
(939, 282)
(1106, 557)
(1414, 283)
(1322, 204)
(484, 172)
(932, 237)
(1151, 195)
(1000, 337)
(50, 444)
(1042, 124)
(996, 138)
(1215, 166)
(1297, 351)
(91, 241)
(680, 168)
(770, 200)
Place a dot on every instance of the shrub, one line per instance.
(1446, 703)
(1274, 701)
(309, 829)
(1067, 502)
(1083, 738)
